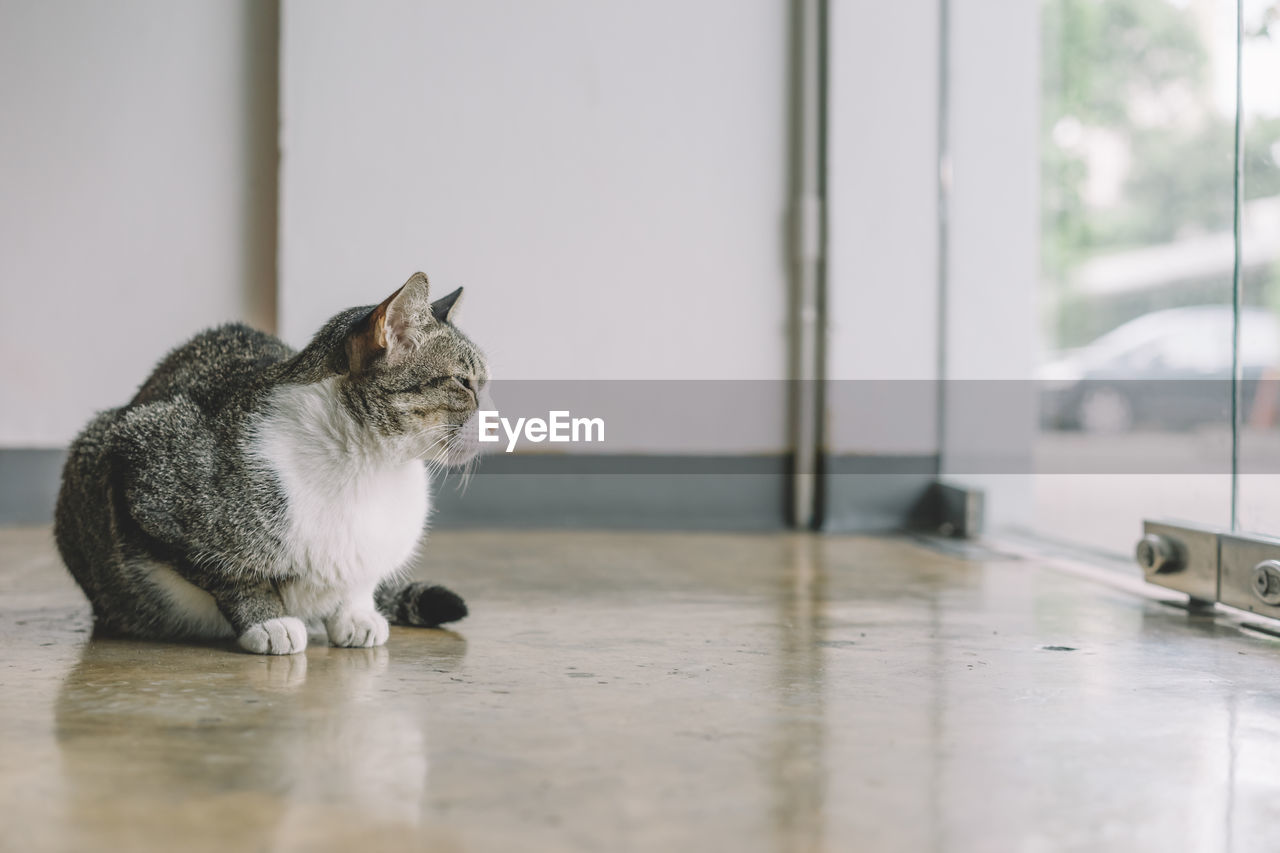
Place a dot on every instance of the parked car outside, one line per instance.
(1169, 370)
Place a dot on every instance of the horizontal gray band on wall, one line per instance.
(924, 465)
(873, 493)
(622, 492)
(29, 480)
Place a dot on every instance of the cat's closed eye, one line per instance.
(465, 382)
(455, 383)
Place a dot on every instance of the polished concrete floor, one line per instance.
(616, 692)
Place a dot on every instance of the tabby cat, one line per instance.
(247, 489)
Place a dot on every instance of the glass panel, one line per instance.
(1137, 258)
(1258, 509)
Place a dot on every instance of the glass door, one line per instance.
(1089, 327)
(1118, 359)
(1257, 507)
(1136, 308)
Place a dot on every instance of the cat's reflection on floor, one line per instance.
(295, 747)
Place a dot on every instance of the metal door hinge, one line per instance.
(1249, 573)
(1181, 557)
(1213, 565)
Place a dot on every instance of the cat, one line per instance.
(248, 489)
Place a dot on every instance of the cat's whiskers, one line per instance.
(439, 432)
(442, 436)
(450, 438)
(467, 471)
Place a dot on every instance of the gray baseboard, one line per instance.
(874, 493)
(638, 492)
(619, 492)
(615, 491)
(29, 479)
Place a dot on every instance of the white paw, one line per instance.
(357, 628)
(284, 636)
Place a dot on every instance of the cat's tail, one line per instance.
(419, 604)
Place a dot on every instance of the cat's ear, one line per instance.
(395, 327)
(444, 307)
(404, 315)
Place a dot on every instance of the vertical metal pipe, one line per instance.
(808, 268)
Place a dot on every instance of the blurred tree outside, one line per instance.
(1134, 151)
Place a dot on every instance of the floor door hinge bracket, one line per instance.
(1212, 564)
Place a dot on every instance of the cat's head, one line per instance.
(409, 376)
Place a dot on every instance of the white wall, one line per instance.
(882, 226)
(138, 194)
(608, 180)
(993, 272)
(883, 301)
(993, 264)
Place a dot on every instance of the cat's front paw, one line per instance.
(357, 628)
(286, 635)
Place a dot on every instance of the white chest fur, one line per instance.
(354, 513)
